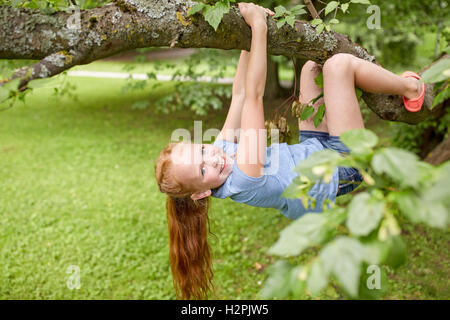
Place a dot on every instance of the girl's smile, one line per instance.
(201, 166)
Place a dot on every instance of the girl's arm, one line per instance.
(250, 154)
(233, 122)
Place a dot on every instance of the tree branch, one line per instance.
(312, 9)
(440, 154)
(131, 24)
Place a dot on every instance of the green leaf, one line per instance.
(309, 230)
(196, 8)
(343, 258)
(298, 9)
(320, 163)
(360, 1)
(277, 284)
(307, 112)
(441, 96)
(319, 28)
(397, 252)
(4, 94)
(344, 7)
(334, 21)
(214, 14)
(297, 283)
(318, 117)
(316, 22)
(359, 140)
(316, 98)
(317, 278)
(319, 81)
(290, 20)
(358, 93)
(439, 191)
(364, 214)
(399, 164)
(429, 208)
(281, 23)
(296, 189)
(426, 173)
(279, 11)
(373, 284)
(409, 204)
(438, 215)
(12, 85)
(437, 72)
(376, 251)
(332, 5)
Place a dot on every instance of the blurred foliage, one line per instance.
(51, 6)
(193, 95)
(365, 234)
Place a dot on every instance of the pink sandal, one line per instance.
(414, 105)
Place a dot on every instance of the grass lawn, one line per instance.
(77, 188)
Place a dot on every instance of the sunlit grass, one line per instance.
(77, 188)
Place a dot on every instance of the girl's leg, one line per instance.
(341, 74)
(308, 91)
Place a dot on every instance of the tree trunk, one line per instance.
(439, 154)
(272, 90)
(298, 69)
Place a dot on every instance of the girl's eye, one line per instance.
(203, 171)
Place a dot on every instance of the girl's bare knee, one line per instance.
(310, 67)
(340, 62)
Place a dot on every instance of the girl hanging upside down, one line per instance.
(250, 172)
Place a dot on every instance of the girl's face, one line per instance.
(201, 166)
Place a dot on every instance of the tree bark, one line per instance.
(131, 24)
(273, 88)
(439, 154)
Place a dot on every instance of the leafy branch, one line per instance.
(213, 12)
(287, 16)
(332, 7)
(395, 184)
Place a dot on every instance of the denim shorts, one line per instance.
(349, 178)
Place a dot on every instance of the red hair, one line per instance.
(190, 257)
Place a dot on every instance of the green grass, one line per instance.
(77, 188)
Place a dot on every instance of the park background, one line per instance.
(77, 184)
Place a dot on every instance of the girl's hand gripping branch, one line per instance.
(250, 155)
(254, 15)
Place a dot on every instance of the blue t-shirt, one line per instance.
(265, 191)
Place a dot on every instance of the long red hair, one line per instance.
(190, 257)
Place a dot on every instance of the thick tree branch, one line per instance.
(65, 39)
(312, 10)
(440, 154)
(49, 66)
